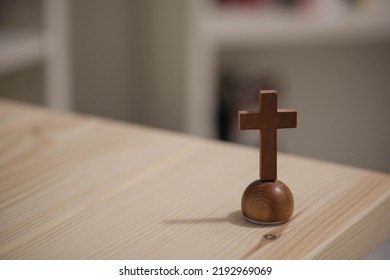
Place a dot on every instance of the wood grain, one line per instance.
(79, 187)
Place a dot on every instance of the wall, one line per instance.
(128, 60)
(107, 43)
(167, 44)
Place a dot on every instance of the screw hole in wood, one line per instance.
(270, 237)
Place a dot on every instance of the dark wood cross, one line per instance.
(268, 120)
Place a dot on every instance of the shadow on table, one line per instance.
(234, 218)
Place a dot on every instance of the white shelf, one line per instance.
(20, 48)
(235, 27)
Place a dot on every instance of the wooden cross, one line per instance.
(268, 120)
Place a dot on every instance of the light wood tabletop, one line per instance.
(80, 187)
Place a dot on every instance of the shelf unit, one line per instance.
(214, 28)
(23, 44)
(234, 27)
(19, 48)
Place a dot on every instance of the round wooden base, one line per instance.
(267, 203)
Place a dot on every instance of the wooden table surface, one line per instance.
(80, 187)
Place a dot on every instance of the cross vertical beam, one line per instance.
(268, 110)
(268, 120)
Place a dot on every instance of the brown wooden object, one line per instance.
(267, 200)
(268, 120)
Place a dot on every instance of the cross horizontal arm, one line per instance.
(286, 118)
(248, 120)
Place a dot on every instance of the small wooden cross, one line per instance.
(268, 120)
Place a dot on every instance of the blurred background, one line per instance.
(189, 66)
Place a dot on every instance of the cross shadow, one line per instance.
(235, 218)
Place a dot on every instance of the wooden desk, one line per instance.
(78, 187)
